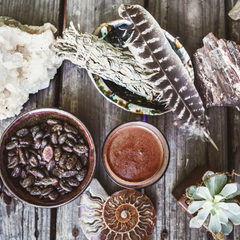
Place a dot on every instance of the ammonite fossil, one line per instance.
(127, 214)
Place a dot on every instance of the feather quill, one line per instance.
(150, 47)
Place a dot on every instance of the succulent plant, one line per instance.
(214, 205)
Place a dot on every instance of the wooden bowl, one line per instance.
(135, 154)
(30, 119)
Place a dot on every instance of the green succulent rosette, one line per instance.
(213, 204)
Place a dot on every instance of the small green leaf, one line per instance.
(236, 193)
(235, 219)
(207, 204)
(226, 229)
(233, 208)
(207, 175)
(204, 193)
(222, 205)
(195, 205)
(214, 183)
(210, 184)
(194, 223)
(191, 193)
(218, 198)
(220, 181)
(214, 225)
(203, 214)
(209, 181)
(222, 217)
(229, 189)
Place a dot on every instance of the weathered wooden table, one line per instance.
(72, 90)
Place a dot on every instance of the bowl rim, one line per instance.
(166, 157)
(89, 138)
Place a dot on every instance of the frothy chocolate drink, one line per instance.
(133, 153)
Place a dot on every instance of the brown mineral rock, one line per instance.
(217, 72)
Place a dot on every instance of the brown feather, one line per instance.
(150, 46)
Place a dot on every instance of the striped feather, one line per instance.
(151, 48)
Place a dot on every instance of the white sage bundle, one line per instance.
(101, 58)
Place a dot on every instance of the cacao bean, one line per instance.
(34, 130)
(37, 172)
(57, 153)
(47, 190)
(53, 195)
(54, 138)
(13, 152)
(12, 145)
(72, 137)
(68, 174)
(23, 132)
(70, 129)
(57, 127)
(28, 181)
(84, 160)
(64, 185)
(39, 135)
(71, 162)
(73, 182)
(35, 191)
(48, 181)
(16, 171)
(62, 138)
(53, 121)
(81, 175)
(33, 161)
(67, 148)
(51, 165)
(78, 165)
(47, 153)
(22, 156)
(80, 148)
(13, 162)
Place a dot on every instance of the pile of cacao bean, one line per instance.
(49, 159)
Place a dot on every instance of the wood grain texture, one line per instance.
(80, 97)
(233, 28)
(234, 152)
(190, 21)
(20, 221)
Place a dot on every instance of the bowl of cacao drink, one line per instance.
(47, 157)
(135, 154)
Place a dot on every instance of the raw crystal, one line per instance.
(27, 63)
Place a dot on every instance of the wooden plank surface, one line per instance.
(233, 28)
(190, 20)
(20, 221)
(98, 114)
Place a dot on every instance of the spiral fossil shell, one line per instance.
(127, 214)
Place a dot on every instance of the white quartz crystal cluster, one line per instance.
(27, 63)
